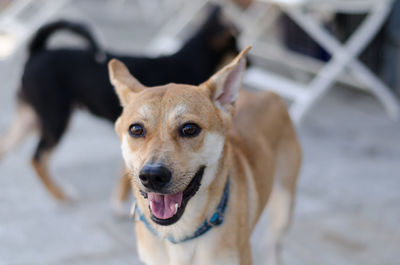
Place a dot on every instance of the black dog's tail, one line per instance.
(38, 42)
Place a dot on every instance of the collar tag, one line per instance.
(216, 219)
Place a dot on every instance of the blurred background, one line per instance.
(336, 64)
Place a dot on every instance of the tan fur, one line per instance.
(123, 188)
(24, 124)
(41, 169)
(256, 148)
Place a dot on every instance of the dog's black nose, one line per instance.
(155, 176)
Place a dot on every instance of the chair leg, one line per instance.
(165, 38)
(255, 27)
(342, 56)
(378, 88)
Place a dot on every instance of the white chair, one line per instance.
(166, 40)
(20, 20)
(344, 56)
(263, 14)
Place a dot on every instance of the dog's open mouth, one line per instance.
(164, 206)
(166, 209)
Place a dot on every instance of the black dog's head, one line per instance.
(219, 32)
(212, 46)
(214, 42)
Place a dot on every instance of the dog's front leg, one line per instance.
(221, 254)
(193, 253)
(232, 259)
(181, 254)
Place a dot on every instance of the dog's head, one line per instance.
(215, 41)
(221, 34)
(172, 134)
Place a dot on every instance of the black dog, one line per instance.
(57, 80)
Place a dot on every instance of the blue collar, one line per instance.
(216, 219)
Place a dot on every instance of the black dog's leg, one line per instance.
(23, 125)
(54, 124)
(40, 164)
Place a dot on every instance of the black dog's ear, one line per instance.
(213, 18)
(122, 80)
(215, 12)
(219, 31)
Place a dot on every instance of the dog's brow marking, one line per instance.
(144, 110)
(177, 111)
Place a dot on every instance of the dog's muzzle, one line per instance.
(166, 209)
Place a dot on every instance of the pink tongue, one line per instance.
(163, 206)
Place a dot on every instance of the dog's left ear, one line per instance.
(122, 80)
(225, 84)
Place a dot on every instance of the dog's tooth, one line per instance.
(151, 205)
(176, 208)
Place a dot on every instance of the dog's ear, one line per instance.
(225, 84)
(122, 80)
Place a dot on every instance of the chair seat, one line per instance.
(352, 6)
(344, 55)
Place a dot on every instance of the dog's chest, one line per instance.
(203, 250)
(181, 253)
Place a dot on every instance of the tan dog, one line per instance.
(202, 175)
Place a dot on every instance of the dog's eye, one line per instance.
(136, 130)
(189, 130)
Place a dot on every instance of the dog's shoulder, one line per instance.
(261, 114)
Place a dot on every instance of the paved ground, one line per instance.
(348, 209)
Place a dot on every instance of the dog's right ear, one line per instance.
(223, 87)
(122, 80)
